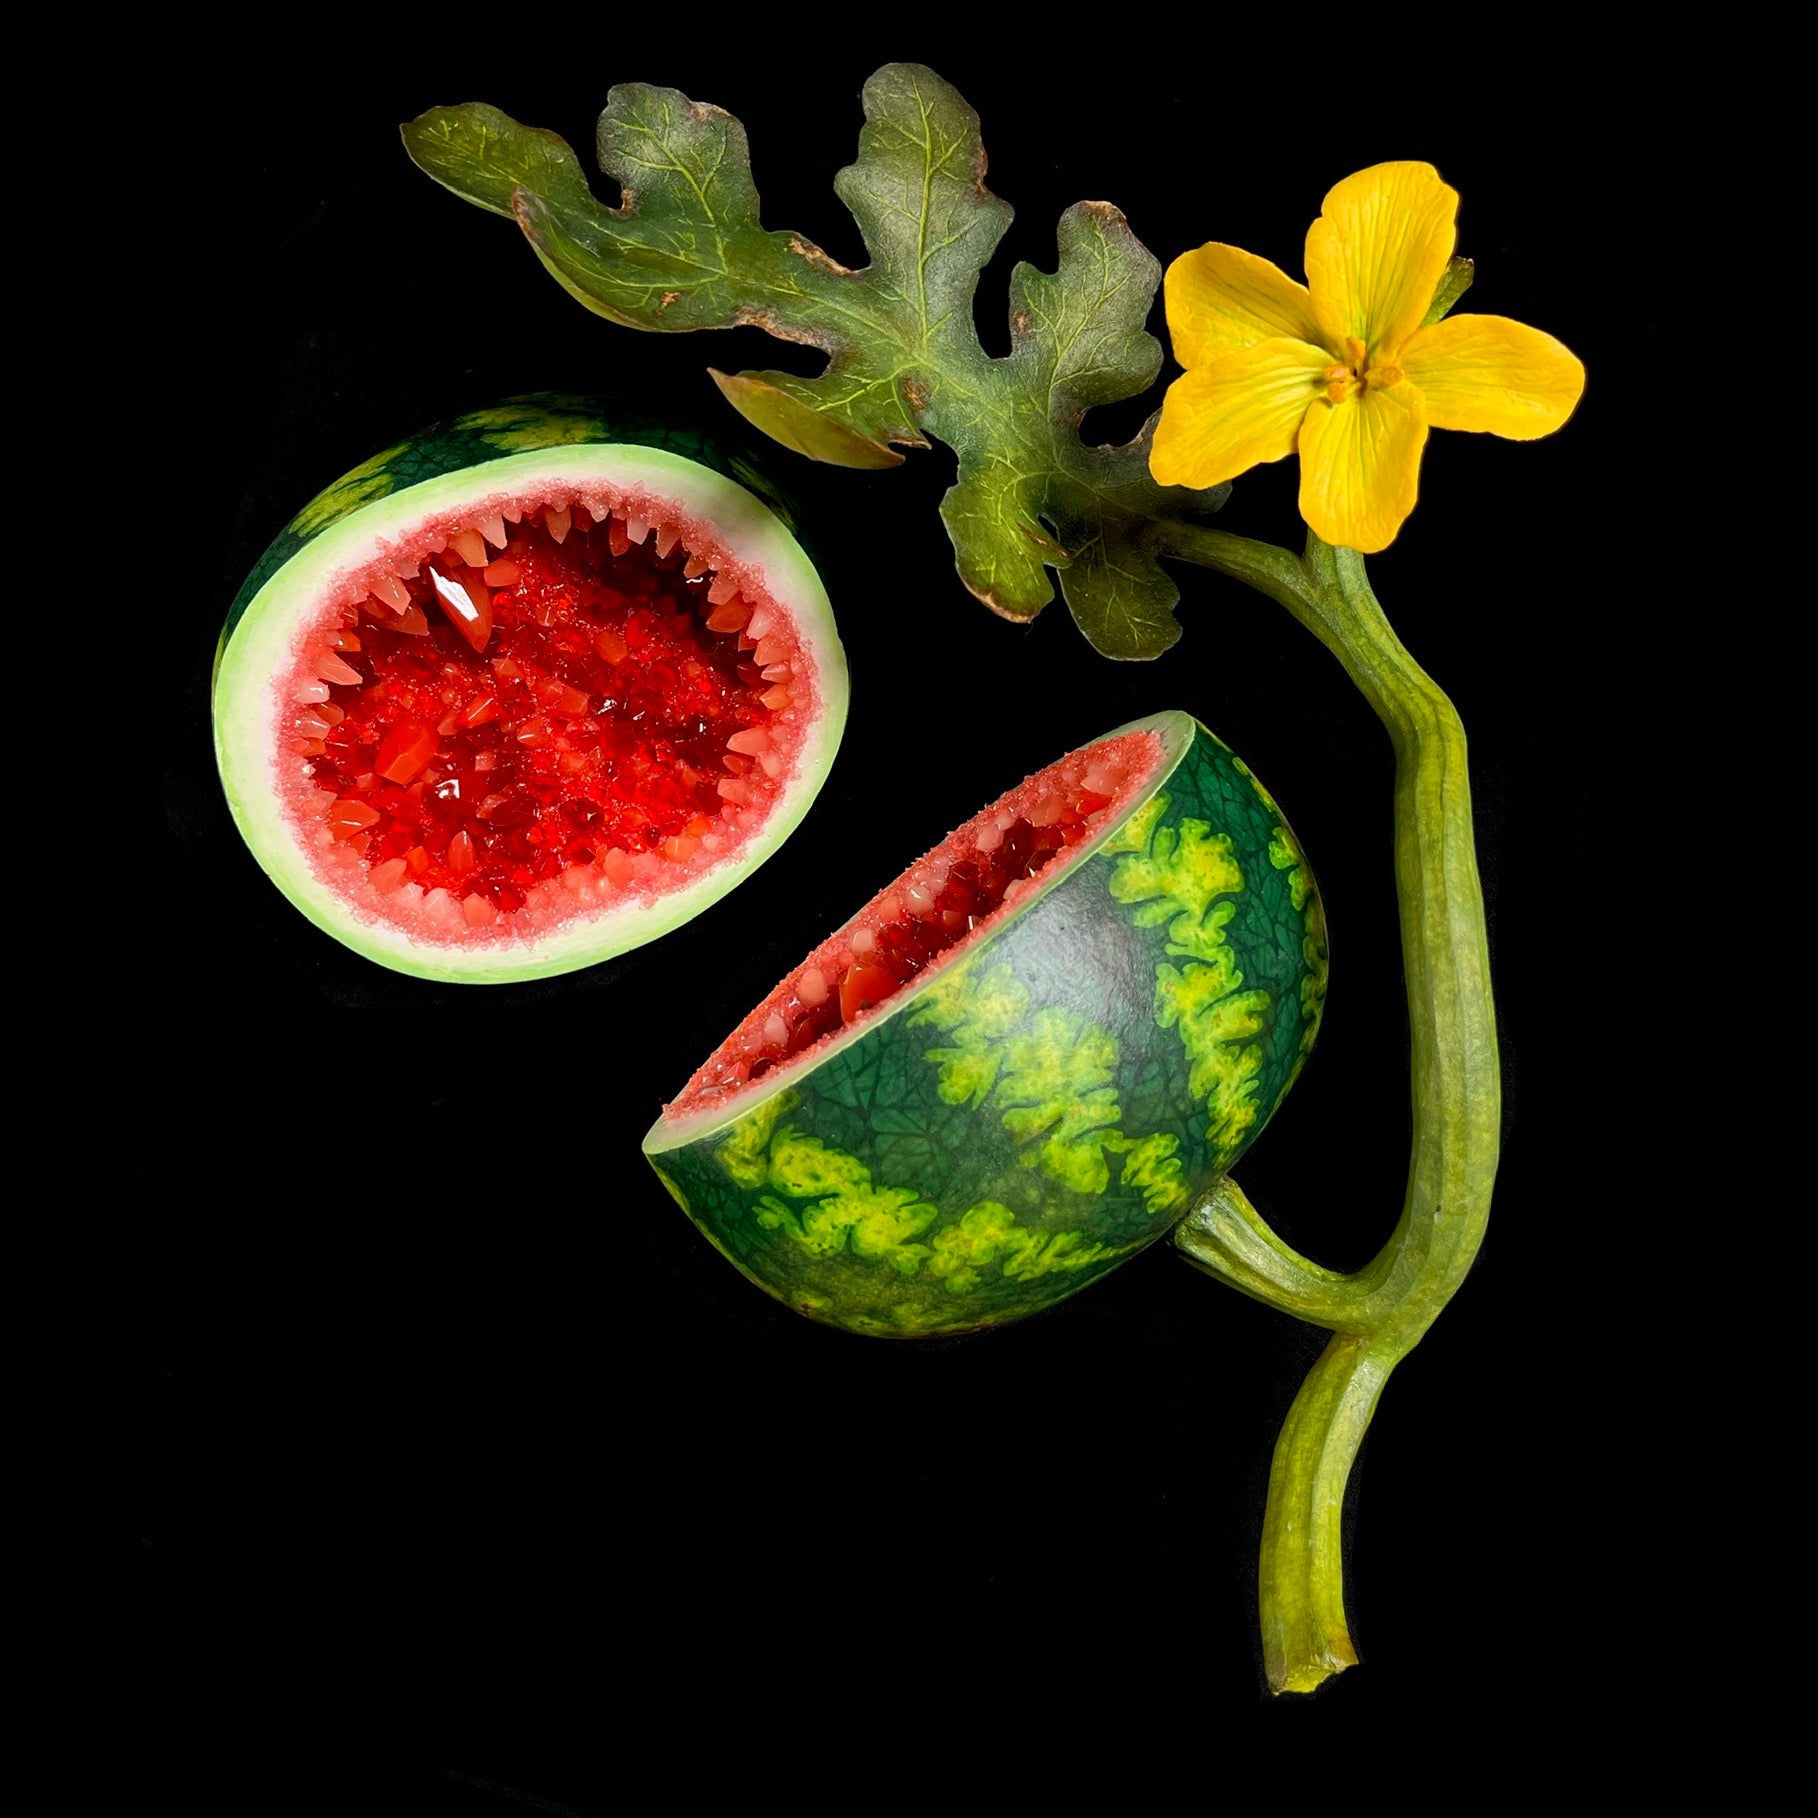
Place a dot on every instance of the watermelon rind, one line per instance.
(1050, 1098)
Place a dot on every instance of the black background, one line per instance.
(459, 1443)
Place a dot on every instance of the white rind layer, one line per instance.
(250, 740)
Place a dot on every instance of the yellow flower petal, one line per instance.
(1360, 466)
(1221, 299)
(1220, 420)
(1375, 255)
(1491, 374)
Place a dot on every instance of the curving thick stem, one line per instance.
(1379, 1314)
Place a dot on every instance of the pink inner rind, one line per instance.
(617, 879)
(1118, 769)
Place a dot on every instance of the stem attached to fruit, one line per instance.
(1379, 1314)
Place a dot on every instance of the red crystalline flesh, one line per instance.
(502, 721)
(932, 909)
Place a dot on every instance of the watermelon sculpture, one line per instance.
(526, 691)
(1022, 1062)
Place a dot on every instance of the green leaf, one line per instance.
(799, 427)
(487, 158)
(1454, 281)
(686, 248)
(918, 194)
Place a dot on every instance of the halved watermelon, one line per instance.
(524, 692)
(1022, 1062)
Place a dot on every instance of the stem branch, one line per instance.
(1379, 1314)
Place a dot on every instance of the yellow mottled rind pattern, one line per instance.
(1052, 1103)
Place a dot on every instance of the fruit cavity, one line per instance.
(956, 891)
(535, 707)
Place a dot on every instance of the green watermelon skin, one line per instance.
(1035, 1113)
(518, 426)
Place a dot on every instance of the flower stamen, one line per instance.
(1344, 382)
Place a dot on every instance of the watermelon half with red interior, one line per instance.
(526, 691)
(1020, 1063)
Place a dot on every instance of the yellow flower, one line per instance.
(1340, 368)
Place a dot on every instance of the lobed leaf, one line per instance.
(685, 248)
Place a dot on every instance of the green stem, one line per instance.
(1301, 1570)
(1226, 1236)
(1379, 1314)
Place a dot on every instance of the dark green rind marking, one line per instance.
(1026, 1122)
(1285, 855)
(539, 420)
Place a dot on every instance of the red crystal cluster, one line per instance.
(935, 909)
(924, 927)
(569, 701)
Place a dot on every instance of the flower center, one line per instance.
(1356, 374)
